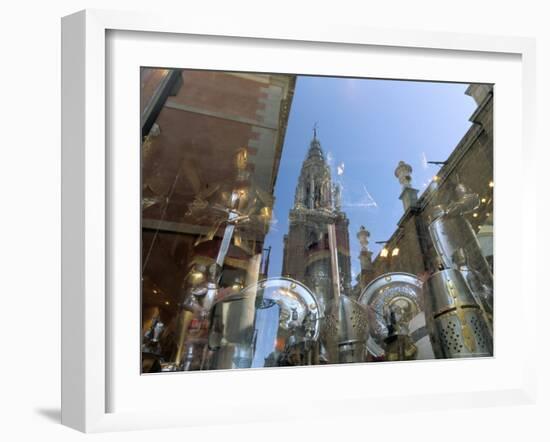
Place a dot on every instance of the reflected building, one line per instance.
(211, 149)
(317, 205)
(468, 168)
(206, 136)
(443, 245)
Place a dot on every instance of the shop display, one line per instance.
(256, 235)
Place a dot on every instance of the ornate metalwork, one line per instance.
(352, 331)
(384, 295)
(455, 320)
(272, 323)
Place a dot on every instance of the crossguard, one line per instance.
(238, 219)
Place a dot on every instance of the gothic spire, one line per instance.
(314, 189)
(315, 150)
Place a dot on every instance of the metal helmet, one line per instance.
(346, 327)
(454, 238)
(271, 323)
(456, 322)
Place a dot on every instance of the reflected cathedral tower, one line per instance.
(317, 204)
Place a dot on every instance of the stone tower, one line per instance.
(317, 204)
(365, 258)
(409, 195)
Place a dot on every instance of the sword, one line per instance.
(334, 262)
(233, 218)
(332, 317)
(227, 235)
(212, 287)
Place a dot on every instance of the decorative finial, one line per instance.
(409, 196)
(363, 237)
(403, 173)
(315, 130)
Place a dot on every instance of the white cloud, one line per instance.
(330, 158)
(364, 200)
(371, 201)
(424, 161)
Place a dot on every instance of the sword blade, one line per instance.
(334, 261)
(226, 240)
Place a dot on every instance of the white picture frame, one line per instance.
(89, 175)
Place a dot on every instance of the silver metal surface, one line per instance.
(458, 248)
(456, 322)
(334, 262)
(352, 331)
(152, 337)
(271, 323)
(227, 236)
(482, 293)
(452, 234)
(391, 291)
(421, 337)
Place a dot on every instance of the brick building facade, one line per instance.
(409, 249)
(196, 125)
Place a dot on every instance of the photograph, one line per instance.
(234, 221)
(301, 220)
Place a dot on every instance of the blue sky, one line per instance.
(365, 128)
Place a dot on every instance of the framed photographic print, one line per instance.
(250, 215)
(254, 246)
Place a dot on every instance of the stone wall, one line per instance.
(470, 163)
